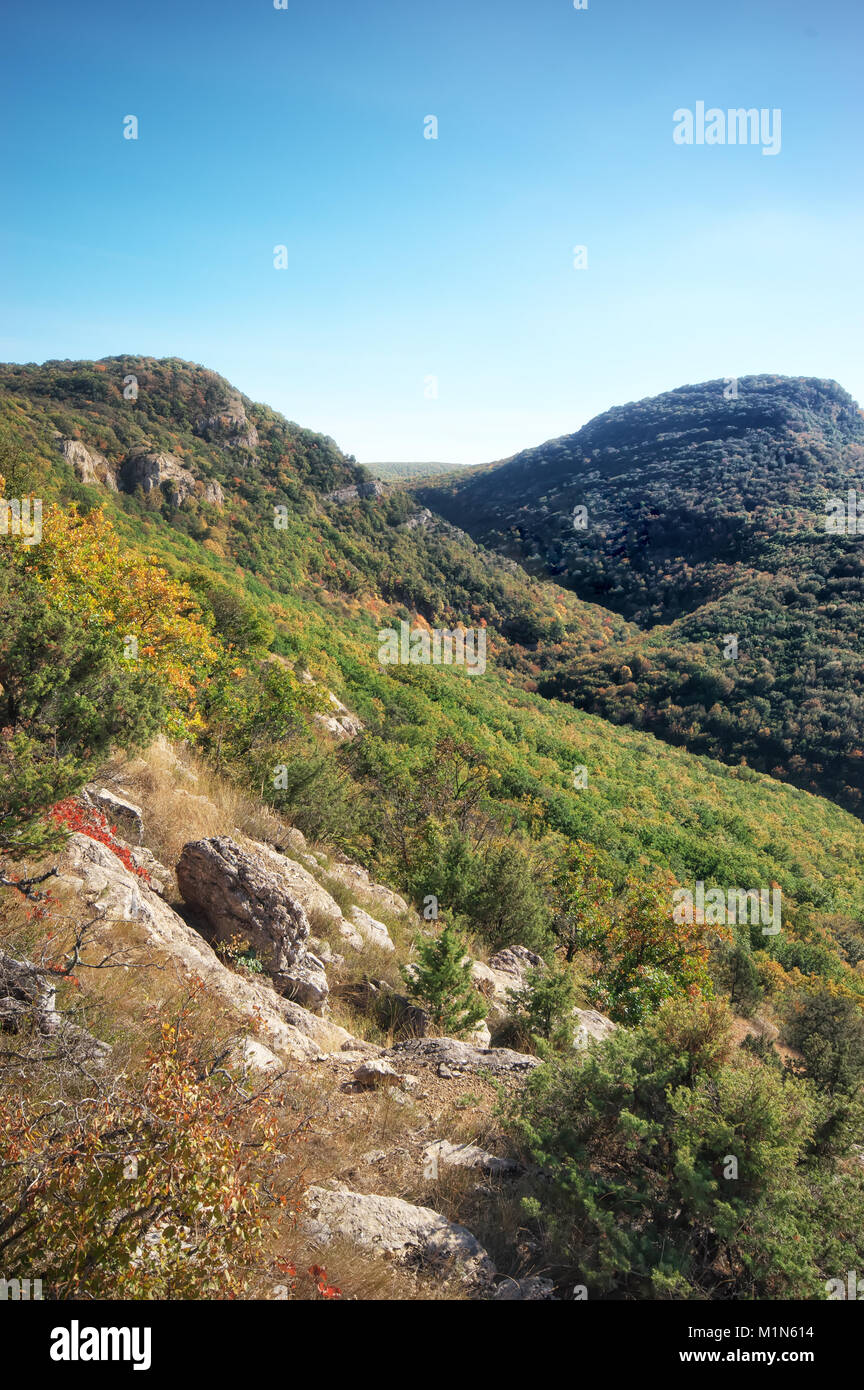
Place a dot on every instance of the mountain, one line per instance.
(700, 516)
(194, 643)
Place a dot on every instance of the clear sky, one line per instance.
(410, 258)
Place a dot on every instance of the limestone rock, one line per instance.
(391, 1226)
(444, 1154)
(120, 812)
(148, 469)
(591, 1025)
(353, 876)
(506, 972)
(90, 466)
(115, 895)
(460, 1056)
(374, 1072)
(241, 893)
(213, 493)
(373, 931)
(356, 491)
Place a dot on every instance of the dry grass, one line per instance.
(184, 799)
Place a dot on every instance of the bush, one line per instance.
(442, 984)
(675, 1166)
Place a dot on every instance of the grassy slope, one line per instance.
(647, 804)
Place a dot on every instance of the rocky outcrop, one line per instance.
(149, 469)
(241, 894)
(341, 724)
(392, 1226)
(212, 493)
(229, 428)
(114, 895)
(443, 1154)
(456, 1056)
(90, 466)
(422, 519)
(374, 932)
(591, 1026)
(120, 812)
(353, 876)
(356, 492)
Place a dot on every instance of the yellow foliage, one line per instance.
(87, 570)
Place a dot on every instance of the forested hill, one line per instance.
(703, 518)
(207, 591)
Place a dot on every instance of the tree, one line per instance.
(579, 893)
(443, 984)
(677, 1166)
(543, 1007)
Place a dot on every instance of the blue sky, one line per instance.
(410, 258)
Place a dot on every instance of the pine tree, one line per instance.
(443, 984)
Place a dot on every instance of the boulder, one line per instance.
(459, 1056)
(373, 1072)
(241, 893)
(591, 1026)
(120, 812)
(506, 971)
(392, 1226)
(373, 931)
(443, 1154)
(251, 1055)
(116, 896)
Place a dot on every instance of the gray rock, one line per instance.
(116, 896)
(241, 894)
(149, 469)
(120, 812)
(460, 1056)
(374, 931)
(213, 493)
(591, 1026)
(374, 1072)
(90, 466)
(394, 1227)
(444, 1154)
(359, 879)
(355, 492)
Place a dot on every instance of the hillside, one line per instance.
(704, 520)
(197, 632)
